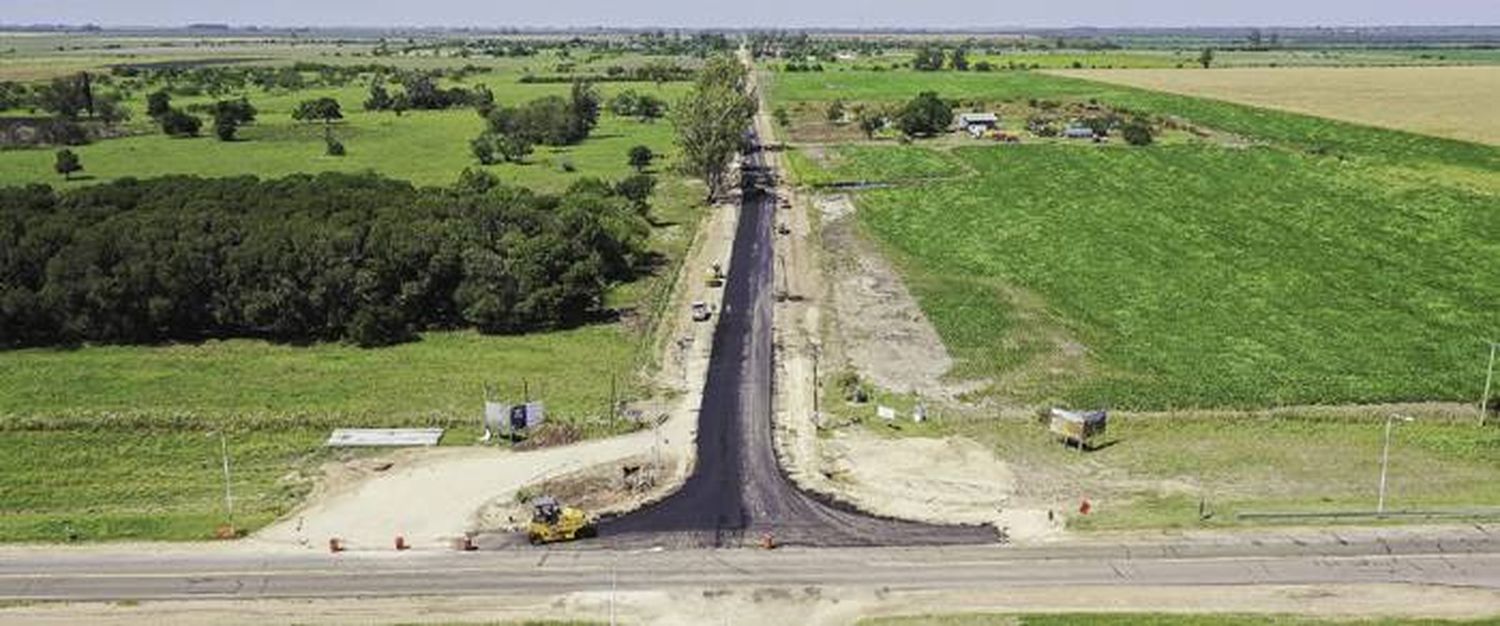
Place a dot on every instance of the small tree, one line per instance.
(325, 109)
(229, 114)
(158, 103)
(925, 115)
(870, 122)
(224, 128)
(513, 146)
(1206, 58)
(650, 108)
(178, 123)
(782, 119)
(1137, 133)
(67, 163)
(379, 99)
(960, 60)
(109, 110)
(836, 111)
(637, 189)
(333, 147)
(640, 158)
(483, 147)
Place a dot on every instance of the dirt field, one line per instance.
(1441, 101)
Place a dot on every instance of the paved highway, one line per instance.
(1469, 559)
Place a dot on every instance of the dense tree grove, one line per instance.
(358, 258)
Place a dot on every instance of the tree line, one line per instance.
(358, 258)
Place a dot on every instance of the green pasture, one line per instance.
(1306, 262)
(426, 147)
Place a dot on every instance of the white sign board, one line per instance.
(885, 412)
(360, 437)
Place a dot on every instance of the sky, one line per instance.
(754, 13)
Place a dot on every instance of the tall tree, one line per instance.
(712, 119)
(1206, 58)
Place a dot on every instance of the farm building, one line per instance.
(977, 123)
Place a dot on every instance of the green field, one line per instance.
(119, 442)
(1152, 619)
(1323, 263)
(425, 147)
(105, 483)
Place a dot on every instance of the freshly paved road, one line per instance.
(1469, 559)
(737, 492)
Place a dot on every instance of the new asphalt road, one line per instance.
(737, 493)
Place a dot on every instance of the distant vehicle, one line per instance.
(782, 228)
(700, 311)
(551, 521)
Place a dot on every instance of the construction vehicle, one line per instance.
(551, 522)
(700, 311)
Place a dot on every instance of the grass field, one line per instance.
(426, 147)
(1203, 276)
(1325, 263)
(1152, 619)
(1439, 101)
(117, 442)
(104, 483)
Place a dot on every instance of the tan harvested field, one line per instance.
(1453, 102)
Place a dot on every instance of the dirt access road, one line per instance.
(738, 492)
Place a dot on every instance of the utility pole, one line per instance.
(1385, 458)
(228, 493)
(1484, 403)
(613, 401)
(816, 351)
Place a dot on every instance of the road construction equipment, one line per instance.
(700, 311)
(551, 521)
